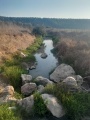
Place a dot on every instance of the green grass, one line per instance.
(77, 105)
(12, 69)
(6, 114)
(39, 105)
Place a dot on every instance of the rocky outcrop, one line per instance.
(43, 55)
(70, 81)
(26, 78)
(28, 88)
(27, 103)
(42, 81)
(61, 72)
(86, 83)
(7, 94)
(40, 88)
(53, 106)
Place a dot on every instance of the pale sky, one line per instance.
(45, 8)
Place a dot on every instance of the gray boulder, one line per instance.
(28, 88)
(26, 78)
(42, 81)
(61, 72)
(53, 106)
(40, 88)
(43, 55)
(7, 94)
(70, 81)
(27, 103)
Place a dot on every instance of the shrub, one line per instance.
(13, 73)
(39, 105)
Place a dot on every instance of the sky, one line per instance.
(45, 8)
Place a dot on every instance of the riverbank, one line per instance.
(12, 68)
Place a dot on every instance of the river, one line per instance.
(45, 66)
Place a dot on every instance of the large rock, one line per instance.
(53, 106)
(8, 90)
(43, 55)
(42, 81)
(40, 88)
(61, 72)
(27, 103)
(28, 88)
(86, 83)
(7, 94)
(70, 81)
(26, 78)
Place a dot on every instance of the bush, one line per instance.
(39, 105)
(13, 73)
(6, 114)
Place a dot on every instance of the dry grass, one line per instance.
(13, 38)
(74, 49)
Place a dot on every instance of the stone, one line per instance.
(32, 67)
(40, 88)
(53, 106)
(70, 81)
(27, 103)
(28, 88)
(79, 80)
(86, 83)
(62, 72)
(26, 78)
(43, 55)
(42, 81)
(8, 90)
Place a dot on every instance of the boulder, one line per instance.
(8, 90)
(43, 55)
(79, 80)
(70, 81)
(53, 106)
(7, 94)
(32, 67)
(61, 72)
(7, 98)
(27, 103)
(86, 83)
(40, 88)
(26, 78)
(42, 81)
(28, 88)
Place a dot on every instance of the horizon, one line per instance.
(65, 9)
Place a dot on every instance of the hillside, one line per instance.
(13, 38)
(50, 22)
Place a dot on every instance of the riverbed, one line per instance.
(45, 66)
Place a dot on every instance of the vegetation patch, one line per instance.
(39, 105)
(77, 105)
(7, 114)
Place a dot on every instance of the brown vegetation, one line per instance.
(74, 49)
(13, 38)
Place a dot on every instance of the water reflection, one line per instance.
(44, 66)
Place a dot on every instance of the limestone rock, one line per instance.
(53, 106)
(27, 103)
(28, 88)
(43, 81)
(70, 81)
(43, 55)
(61, 72)
(26, 78)
(40, 88)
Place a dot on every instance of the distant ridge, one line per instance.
(61, 23)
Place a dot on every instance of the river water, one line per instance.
(45, 66)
